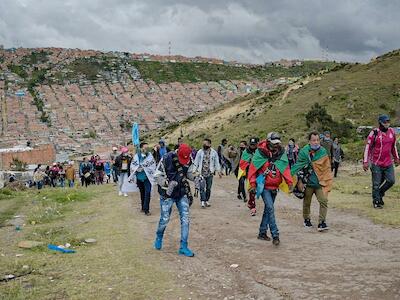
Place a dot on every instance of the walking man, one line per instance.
(241, 192)
(143, 167)
(292, 151)
(70, 174)
(221, 157)
(206, 164)
(269, 168)
(172, 177)
(337, 155)
(379, 154)
(243, 172)
(314, 162)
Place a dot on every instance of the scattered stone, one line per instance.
(29, 244)
(67, 245)
(234, 266)
(19, 255)
(90, 241)
(25, 267)
(9, 276)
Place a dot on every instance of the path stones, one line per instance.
(90, 240)
(29, 244)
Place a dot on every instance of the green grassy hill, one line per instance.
(162, 72)
(352, 96)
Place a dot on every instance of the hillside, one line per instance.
(81, 100)
(353, 96)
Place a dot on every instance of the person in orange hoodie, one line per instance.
(70, 174)
(269, 170)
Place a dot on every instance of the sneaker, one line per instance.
(119, 193)
(186, 252)
(208, 204)
(239, 197)
(264, 237)
(158, 243)
(125, 195)
(147, 213)
(276, 241)
(244, 200)
(377, 205)
(203, 204)
(307, 223)
(322, 226)
(253, 213)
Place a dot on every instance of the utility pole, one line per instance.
(169, 48)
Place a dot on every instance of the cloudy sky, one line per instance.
(245, 30)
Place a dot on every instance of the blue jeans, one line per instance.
(166, 208)
(268, 218)
(39, 184)
(70, 183)
(145, 193)
(206, 192)
(382, 180)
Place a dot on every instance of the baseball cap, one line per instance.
(184, 152)
(274, 138)
(254, 141)
(383, 118)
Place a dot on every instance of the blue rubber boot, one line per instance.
(158, 243)
(184, 250)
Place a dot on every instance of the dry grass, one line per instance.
(118, 266)
(352, 192)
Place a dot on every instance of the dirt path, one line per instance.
(355, 259)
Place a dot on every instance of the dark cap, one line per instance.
(383, 118)
(254, 141)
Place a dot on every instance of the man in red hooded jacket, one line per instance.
(269, 167)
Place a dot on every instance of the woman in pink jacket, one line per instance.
(380, 152)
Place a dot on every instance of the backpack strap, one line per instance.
(375, 136)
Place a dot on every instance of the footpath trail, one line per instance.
(355, 259)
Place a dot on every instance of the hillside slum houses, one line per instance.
(78, 116)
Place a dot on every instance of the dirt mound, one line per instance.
(16, 186)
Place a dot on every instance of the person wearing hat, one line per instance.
(314, 161)
(269, 169)
(243, 171)
(122, 163)
(379, 154)
(172, 175)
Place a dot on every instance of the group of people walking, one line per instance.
(57, 175)
(263, 167)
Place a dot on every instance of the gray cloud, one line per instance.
(244, 30)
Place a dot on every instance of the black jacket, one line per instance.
(118, 164)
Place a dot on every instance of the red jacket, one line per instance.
(273, 179)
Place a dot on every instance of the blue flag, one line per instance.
(135, 134)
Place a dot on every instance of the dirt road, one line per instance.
(355, 259)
